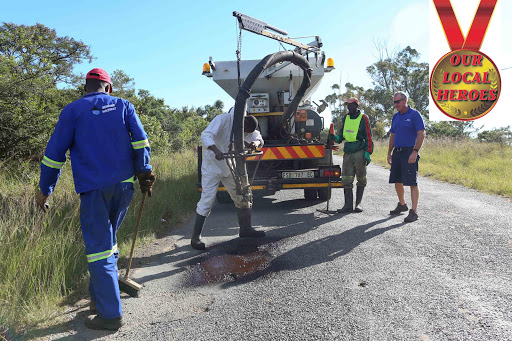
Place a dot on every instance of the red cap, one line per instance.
(352, 100)
(100, 74)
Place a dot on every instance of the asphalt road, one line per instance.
(359, 276)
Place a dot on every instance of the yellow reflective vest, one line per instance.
(351, 127)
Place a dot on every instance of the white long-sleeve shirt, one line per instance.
(218, 133)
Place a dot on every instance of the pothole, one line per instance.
(229, 267)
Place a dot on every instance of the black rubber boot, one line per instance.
(195, 241)
(246, 230)
(359, 198)
(100, 323)
(349, 201)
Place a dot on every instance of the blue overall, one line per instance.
(107, 146)
(101, 213)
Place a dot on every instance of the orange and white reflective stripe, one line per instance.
(291, 153)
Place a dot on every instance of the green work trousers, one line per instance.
(354, 165)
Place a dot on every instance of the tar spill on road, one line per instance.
(229, 267)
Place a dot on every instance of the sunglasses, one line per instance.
(400, 100)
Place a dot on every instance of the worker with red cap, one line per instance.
(109, 150)
(355, 130)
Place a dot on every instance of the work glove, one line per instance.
(332, 147)
(146, 181)
(333, 138)
(254, 145)
(367, 158)
(42, 200)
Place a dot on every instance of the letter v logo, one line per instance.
(477, 29)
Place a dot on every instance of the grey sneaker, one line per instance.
(411, 217)
(399, 209)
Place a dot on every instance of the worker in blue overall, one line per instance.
(109, 150)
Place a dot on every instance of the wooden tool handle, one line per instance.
(135, 234)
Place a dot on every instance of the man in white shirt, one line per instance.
(215, 140)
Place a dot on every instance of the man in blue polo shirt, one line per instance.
(108, 149)
(406, 137)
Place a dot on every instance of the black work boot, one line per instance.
(195, 241)
(100, 323)
(246, 230)
(359, 197)
(349, 201)
(413, 216)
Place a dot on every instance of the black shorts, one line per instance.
(401, 170)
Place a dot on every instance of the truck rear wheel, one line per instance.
(324, 194)
(310, 193)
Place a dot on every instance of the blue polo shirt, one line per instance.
(405, 127)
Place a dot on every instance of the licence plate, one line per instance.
(298, 175)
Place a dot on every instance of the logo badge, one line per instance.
(465, 84)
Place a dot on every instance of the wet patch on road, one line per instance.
(232, 265)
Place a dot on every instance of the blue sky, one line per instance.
(163, 45)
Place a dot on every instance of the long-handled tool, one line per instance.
(126, 285)
(329, 146)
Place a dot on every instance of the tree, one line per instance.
(33, 60)
(458, 129)
(503, 136)
(399, 71)
(210, 111)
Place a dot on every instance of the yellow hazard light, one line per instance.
(206, 68)
(330, 65)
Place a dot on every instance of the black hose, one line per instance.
(241, 101)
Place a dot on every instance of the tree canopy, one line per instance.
(37, 80)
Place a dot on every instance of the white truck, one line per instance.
(293, 156)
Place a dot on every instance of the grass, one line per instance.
(43, 257)
(481, 166)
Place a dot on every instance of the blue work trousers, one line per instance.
(101, 213)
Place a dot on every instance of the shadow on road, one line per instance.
(286, 221)
(223, 222)
(320, 251)
(77, 325)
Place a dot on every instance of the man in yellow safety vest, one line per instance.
(355, 130)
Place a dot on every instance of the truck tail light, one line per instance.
(332, 173)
